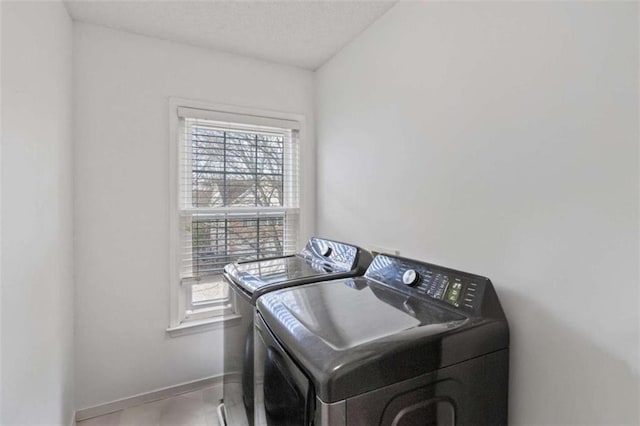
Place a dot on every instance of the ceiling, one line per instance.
(302, 33)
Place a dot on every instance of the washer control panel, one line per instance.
(334, 255)
(456, 288)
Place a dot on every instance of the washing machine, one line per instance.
(320, 260)
(409, 343)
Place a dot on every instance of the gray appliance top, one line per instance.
(320, 260)
(347, 314)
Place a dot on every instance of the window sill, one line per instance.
(200, 326)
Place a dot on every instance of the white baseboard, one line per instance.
(132, 401)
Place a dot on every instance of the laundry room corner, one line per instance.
(319, 213)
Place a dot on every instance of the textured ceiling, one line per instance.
(299, 33)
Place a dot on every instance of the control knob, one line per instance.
(325, 250)
(410, 277)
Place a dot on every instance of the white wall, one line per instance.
(123, 83)
(1, 138)
(503, 139)
(37, 214)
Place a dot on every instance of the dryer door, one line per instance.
(283, 394)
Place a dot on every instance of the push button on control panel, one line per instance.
(410, 277)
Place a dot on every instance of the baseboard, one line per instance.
(132, 401)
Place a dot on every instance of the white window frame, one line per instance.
(183, 320)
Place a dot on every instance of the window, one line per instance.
(237, 199)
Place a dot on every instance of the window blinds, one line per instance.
(238, 188)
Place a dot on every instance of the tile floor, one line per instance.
(190, 409)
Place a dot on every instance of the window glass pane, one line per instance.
(243, 241)
(208, 292)
(271, 237)
(209, 246)
(240, 153)
(236, 168)
(240, 190)
(217, 242)
(207, 188)
(270, 154)
(208, 149)
(270, 190)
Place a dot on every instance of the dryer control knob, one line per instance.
(325, 250)
(410, 277)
